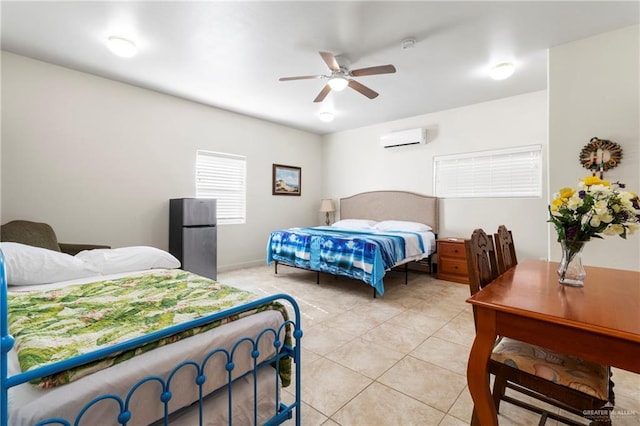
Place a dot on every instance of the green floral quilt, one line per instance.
(54, 325)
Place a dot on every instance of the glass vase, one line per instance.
(571, 272)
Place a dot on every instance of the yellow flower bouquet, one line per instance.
(595, 208)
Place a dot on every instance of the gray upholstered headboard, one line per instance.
(391, 205)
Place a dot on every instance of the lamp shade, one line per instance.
(327, 206)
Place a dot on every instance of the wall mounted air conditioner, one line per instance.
(404, 137)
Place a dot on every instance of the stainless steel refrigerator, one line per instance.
(193, 234)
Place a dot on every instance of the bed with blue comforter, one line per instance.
(362, 254)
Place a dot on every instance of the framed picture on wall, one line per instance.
(287, 180)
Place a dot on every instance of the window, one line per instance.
(512, 172)
(223, 177)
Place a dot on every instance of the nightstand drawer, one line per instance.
(453, 266)
(451, 249)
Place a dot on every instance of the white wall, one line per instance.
(98, 160)
(594, 90)
(354, 162)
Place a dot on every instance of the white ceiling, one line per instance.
(230, 54)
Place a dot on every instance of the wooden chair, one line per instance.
(515, 364)
(505, 250)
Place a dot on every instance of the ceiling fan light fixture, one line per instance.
(502, 70)
(340, 77)
(122, 47)
(326, 116)
(338, 83)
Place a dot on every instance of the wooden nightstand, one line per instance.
(452, 260)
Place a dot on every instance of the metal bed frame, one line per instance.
(403, 268)
(282, 411)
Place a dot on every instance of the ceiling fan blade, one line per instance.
(323, 94)
(380, 69)
(330, 61)
(359, 87)
(301, 77)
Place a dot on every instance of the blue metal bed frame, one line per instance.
(282, 412)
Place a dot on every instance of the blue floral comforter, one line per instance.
(363, 255)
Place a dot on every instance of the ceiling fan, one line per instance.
(340, 76)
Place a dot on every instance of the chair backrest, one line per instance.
(481, 263)
(505, 250)
(30, 233)
(481, 260)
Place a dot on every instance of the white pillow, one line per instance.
(401, 225)
(355, 223)
(28, 265)
(128, 259)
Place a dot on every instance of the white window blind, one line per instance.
(511, 172)
(223, 177)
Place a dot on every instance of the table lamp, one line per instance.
(327, 206)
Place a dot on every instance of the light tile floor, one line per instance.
(399, 359)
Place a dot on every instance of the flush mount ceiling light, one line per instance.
(326, 116)
(338, 83)
(121, 46)
(502, 70)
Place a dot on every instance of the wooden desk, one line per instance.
(599, 322)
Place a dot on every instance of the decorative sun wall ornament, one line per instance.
(600, 155)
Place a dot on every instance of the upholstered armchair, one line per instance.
(39, 235)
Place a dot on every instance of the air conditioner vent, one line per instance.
(403, 138)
